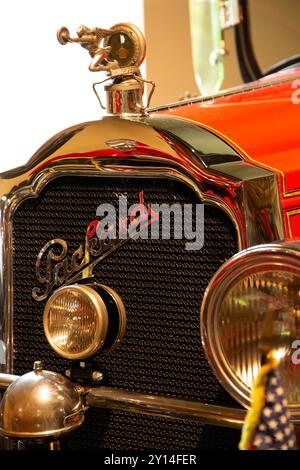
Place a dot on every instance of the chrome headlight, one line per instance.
(252, 305)
(81, 319)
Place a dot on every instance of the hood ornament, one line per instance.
(118, 51)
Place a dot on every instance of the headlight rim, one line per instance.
(279, 256)
(121, 312)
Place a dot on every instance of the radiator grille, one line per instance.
(161, 285)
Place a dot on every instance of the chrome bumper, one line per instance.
(110, 398)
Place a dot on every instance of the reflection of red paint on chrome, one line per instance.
(266, 223)
(140, 150)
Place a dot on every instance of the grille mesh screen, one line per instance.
(161, 285)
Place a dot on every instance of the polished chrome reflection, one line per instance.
(251, 306)
(40, 404)
(242, 320)
(84, 150)
(132, 402)
(167, 407)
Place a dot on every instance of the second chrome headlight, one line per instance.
(252, 305)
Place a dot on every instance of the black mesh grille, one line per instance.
(161, 284)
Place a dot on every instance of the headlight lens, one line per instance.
(76, 321)
(251, 306)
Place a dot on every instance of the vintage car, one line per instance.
(152, 339)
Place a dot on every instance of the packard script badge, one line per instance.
(56, 266)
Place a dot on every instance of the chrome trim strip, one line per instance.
(249, 201)
(262, 83)
(165, 407)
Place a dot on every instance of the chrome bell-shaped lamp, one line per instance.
(40, 405)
